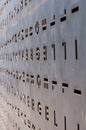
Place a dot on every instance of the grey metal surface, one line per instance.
(42, 71)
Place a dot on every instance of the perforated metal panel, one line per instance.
(42, 64)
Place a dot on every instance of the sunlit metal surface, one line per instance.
(42, 65)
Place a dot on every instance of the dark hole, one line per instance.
(77, 91)
(65, 85)
(75, 9)
(62, 18)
